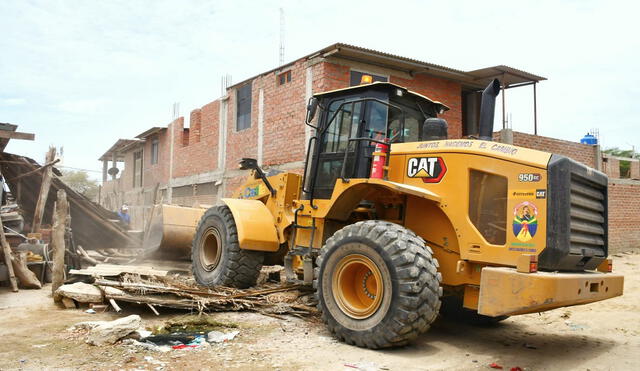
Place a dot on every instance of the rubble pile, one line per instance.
(181, 292)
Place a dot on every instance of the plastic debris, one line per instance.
(495, 365)
(517, 368)
(220, 337)
(90, 311)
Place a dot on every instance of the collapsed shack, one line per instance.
(90, 223)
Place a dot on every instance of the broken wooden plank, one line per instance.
(116, 270)
(115, 305)
(153, 309)
(44, 192)
(16, 135)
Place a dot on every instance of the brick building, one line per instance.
(263, 118)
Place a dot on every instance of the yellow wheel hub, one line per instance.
(357, 286)
(210, 249)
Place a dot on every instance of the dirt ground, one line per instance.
(598, 336)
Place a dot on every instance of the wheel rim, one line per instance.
(210, 249)
(357, 286)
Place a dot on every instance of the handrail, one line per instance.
(346, 153)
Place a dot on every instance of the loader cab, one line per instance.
(351, 122)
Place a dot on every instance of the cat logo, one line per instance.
(430, 169)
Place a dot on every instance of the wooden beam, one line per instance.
(43, 167)
(59, 229)
(44, 192)
(6, 249)
(16, 135)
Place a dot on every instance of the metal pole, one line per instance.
(504, 116)
(535, 111)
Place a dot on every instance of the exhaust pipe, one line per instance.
(487, 110)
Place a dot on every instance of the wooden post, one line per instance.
(44, 192)
(7, 258)
(59, 229)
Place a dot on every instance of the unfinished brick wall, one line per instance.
(196, 151)
(624, 213)
(583, 153)
(611, 167)
(445, 91)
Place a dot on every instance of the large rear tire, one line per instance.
(377, 285)
(216, 256)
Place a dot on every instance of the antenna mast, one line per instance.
(281, 36)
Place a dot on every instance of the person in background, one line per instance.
(123, 214)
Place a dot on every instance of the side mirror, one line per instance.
(248, 164)
(312, 107)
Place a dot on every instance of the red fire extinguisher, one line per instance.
(379, 160)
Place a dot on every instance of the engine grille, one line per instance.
(576, 216)
(588, 223)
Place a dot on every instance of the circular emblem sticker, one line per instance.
(525, 222)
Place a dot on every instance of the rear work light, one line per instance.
(606, 266)
(527, 264)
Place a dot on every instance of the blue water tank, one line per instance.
(589, 139)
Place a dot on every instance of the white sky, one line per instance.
(81, 74)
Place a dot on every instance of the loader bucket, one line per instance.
(172, 229)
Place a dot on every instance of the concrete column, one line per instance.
(598, 157)
(170, 182)
(260, 125)
(222, 133)
(307, 95)
(105, 169)
(506, 136)
(113, 159)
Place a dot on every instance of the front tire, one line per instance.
(216, 256)
(377, 285)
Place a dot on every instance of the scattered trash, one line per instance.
(90, 311)
(219, 337)
(517, 368)
(575, 326)
(144, 346)
(40, 345)
(144, 333)
(495, 365)
(529, 346)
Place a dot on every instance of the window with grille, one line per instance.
(154, 151)
(137, 169)
(243, 109)
(284, 78)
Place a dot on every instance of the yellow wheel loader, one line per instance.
(394, 223)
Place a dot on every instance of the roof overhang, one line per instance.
(118, 149)
(476, 79)
(509, 76)
(150, 132)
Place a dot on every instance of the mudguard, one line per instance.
(255, 224)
